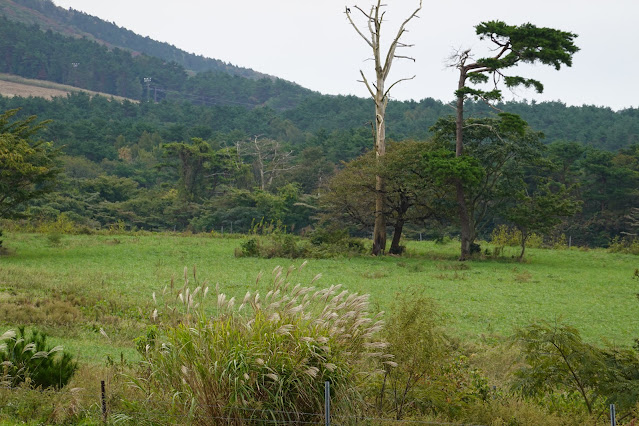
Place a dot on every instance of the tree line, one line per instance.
(178, 163)
(118, 167)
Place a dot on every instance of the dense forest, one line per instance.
(175, 165)
(214, 151)
(29, 52)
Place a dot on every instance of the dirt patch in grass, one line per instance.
(13, 85)
(374, 275)
(456, 276)
(10, 89)
(457, 266)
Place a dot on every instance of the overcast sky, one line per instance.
(311, 43)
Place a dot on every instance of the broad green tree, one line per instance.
(201, 169)
(498, 153)
(540, 210)
(513, 45)
(411, 194)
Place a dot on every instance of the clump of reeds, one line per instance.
(265, 357)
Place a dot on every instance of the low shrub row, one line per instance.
(319, 244)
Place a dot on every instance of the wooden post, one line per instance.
(104, 407)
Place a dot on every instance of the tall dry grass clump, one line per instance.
(266, 357)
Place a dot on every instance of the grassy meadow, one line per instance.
(85, 284)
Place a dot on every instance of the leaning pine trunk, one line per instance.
(462, 208)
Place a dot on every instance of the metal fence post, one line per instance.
(327, 403)
(613, 417)
(104, 407)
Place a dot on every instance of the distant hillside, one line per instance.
(74, 23)
(14, 86)
(43, 42)
(28, 51)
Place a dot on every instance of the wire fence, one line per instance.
(247, 415)
(251, 416)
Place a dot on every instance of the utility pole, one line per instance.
(147, 81)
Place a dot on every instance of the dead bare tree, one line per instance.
(378, 91)
(269, 160)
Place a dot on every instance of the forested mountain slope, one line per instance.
(43, 49)
(48, 16)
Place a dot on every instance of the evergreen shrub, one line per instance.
(28, 358)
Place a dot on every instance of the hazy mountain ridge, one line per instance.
(31, 51)
(75, 23)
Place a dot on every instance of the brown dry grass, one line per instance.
(12, 85)
(11, 89)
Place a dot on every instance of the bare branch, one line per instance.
(348, 15)
(505, 48)
(374, 31)
(405, 57)
(478, 70)
(497, 42)
(458, 59)
(365, 81)
(391, 51)
(398, 81)
(368, 16)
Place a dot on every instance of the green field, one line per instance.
(86, 283)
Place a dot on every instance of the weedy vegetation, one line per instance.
(492, 341)
(265, 358)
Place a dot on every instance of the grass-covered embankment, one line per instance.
(93, 282)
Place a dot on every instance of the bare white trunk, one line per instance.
(379, 93)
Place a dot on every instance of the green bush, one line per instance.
(628, 245)
(319, 246)
(321, 236)
(63, 225)
(270, 246)
(429, 377)
(503, 236)
(418, 345)
(249, 248)
(54, 239)
(266, 359)
(28, 358)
